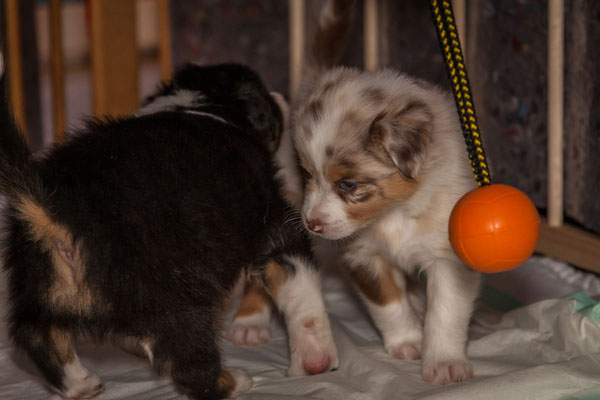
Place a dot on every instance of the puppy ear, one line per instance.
(283, 105)
(263, 113)
(404, 136)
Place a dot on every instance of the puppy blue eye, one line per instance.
(348, 185)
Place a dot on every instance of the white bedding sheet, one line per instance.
(543, 350)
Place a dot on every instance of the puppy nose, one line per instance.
(315, 225)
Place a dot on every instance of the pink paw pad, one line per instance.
(316, 363)
(407, 351)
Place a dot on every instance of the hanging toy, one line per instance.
(493, 228)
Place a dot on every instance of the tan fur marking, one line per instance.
(68, 291)
(62, 344)
(41, 226)
(226, 381)
(275, 276)
(393, 189)
(397, 187)
(336, 172)
(379, 288)
(254, 301)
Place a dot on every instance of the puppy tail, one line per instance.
(18, 176)
(21, 183)
(330, 39)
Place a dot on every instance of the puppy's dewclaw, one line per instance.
(250, 325)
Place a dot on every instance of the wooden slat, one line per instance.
(460, 13)
(555, 111)
(15, 62)
(56, 69)
(570, 244)
(164, 38)
(114, 57)
(371, 35)
(296, 44)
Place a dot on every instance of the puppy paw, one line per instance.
(243, 382)
(250, 330)
(86, 388)
(312, 350)
(445, 372)
(405, 351)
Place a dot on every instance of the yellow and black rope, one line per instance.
(443, 18)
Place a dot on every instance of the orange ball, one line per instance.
(494, 228)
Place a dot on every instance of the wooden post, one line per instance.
(296, 44)
(164, 39)
(56, 69)
(555, 112)
(371, 35)
(460, 13)
(14, 62)
(114, 57)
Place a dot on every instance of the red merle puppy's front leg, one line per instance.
(294, 285)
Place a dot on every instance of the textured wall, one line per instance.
(582, 116)
(506, 61)
(509, 74)
(253, 32)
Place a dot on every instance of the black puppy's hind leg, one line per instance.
(188, 352)
(51, 349)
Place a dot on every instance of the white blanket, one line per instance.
(545, 350)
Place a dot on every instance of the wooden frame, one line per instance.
(114, 57)
(14, 62)
(115, 86)
(571, 244)
(56, 69)
(164, 40)
(555, 111)
(371, 35)
(296, 44)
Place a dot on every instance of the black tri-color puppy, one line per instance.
(139, 227)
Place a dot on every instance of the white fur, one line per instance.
(181, 98)
(251, 330)
(310, 338)
(146, 345)
(243, 382)
(209, 115)
(326, 205)
(80, 382)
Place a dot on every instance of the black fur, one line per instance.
(166, 210)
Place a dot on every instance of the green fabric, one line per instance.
(586, 306)
(594, 394)
(501, 301)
